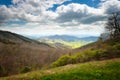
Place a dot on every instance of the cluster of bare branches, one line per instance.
(113, 25)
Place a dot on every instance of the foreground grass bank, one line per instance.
(96, 70)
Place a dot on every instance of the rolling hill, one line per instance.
(9, 37)
(17, 52)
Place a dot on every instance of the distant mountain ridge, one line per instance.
(5, 35)
(70, 41)
(70, 38)
(63, 37)
(91, 38)
(9, 37)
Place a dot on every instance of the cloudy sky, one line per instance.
(50, 17)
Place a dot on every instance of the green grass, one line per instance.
(73, 44)
(96, 70)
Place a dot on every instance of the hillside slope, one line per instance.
(97, 70)
(100, 44)
(17, 52)
(6, 36)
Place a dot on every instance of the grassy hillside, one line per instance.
(100, 50)
(96, 70)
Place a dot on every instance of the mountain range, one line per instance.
(67, 40)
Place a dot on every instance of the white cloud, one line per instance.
(29, 10)
(102, 0)
(17, 1)
(110, 6)
(52, 29)
(78, 12)
(5, 13)
(78, 18)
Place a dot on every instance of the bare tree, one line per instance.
(113, 25)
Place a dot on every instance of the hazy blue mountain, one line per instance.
(67, 40)
(91, 38)
(63, 37)
(70, 38)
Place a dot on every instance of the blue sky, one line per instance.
(51, 17)
(5, 2)
(88, 2)
(92, 3)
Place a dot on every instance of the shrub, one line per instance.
(116, 47)
(117, 50)
(113, 51)
(99, 54)
(62, 61)
(2, 71)
(25, 69)
(87, 55)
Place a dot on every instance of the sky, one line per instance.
(61, 17)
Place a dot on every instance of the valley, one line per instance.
(70, 41)
(59, 39)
